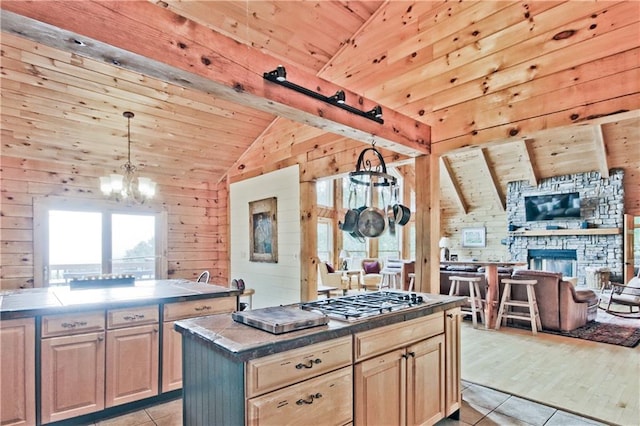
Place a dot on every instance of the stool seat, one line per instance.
(506, 304)
(475, 298)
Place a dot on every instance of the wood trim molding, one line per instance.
(601, 151)
(449, 176)
(495, 183)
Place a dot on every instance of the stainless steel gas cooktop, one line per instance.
(365, 305)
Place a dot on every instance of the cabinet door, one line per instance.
(425, 381)
(72, 376)
(171, 358)
(380, 390)
(132, 364)
(453, 398)
(17, 372)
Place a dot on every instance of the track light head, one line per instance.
(339, 97)
(375, 112)
(279, 74)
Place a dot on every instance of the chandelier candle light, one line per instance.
(123, 187)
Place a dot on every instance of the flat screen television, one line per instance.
(552, 206)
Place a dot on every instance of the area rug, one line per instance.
(614, 334)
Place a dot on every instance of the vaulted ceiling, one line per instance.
(510, 90)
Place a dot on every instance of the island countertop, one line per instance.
(60, 299)
(240, 342)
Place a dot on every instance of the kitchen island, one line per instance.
(76, 355)
(398, 367)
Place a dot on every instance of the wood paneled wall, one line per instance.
(197, 219)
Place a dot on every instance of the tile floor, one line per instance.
(481, 406)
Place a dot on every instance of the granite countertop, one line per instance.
(241, 342)
(59, 299)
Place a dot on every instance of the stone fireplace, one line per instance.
(570, 245)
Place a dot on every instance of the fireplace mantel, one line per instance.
(548, 232)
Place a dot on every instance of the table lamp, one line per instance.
(344, 255)
(444, 245)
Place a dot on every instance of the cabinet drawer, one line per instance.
(127, 317)
(80, 322)
(383, 339)
(278, 370)
(196, 308)
(323, 400)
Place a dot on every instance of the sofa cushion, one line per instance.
(372, 267)
(462, 268)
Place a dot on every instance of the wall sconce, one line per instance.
(279, 76)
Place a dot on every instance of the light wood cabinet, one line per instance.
(322, 400)
(172, 340)
(312, 382)
(453, 395)
(405, 385)
(131, 364)
(17, 372)
(72, 375)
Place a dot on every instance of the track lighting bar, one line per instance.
(279, 76)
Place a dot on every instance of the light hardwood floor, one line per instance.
(596, 380)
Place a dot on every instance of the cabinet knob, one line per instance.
(100, 338)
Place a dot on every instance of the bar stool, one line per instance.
(388, 279)
(412, 280)
(475, 298)
(533, 316)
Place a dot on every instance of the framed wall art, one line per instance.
(474, 237)
(263, 230)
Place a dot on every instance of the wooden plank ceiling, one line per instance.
(62, 106)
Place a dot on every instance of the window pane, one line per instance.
(324, 241)
(133, 245)
(324, 192)
(389, 245)
(75, 245)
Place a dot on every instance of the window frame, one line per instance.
(42, 206)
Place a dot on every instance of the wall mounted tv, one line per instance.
(552, 207)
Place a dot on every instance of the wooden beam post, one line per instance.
(154, 41)
(308, 241)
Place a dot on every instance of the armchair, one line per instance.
(330, 278)
(371, 277)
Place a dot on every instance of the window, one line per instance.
(324, 192)
(79, 239)
(389, 245)
(325, 240)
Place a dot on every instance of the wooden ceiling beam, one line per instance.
(495, 183)
(601, 151)
(529, 161)
(450, 177)
(146, 38)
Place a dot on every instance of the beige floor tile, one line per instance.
(165, 409)
(174, 419)
(136, 418)
(562, 418)
(528, 411)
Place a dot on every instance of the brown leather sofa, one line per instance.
(561, 305)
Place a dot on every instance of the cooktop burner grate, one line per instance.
(364, 305)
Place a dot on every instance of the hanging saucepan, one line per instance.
(356, 233)
(371, 222)
(402, 214)
(350, 223)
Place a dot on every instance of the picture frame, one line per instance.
(263, 230)
(474, 237)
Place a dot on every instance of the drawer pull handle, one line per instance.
(310, 400)
(412, 354)
(309, 365)
(133, 317)
(203, 308)
(73, 324)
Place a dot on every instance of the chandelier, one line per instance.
(127, 186)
